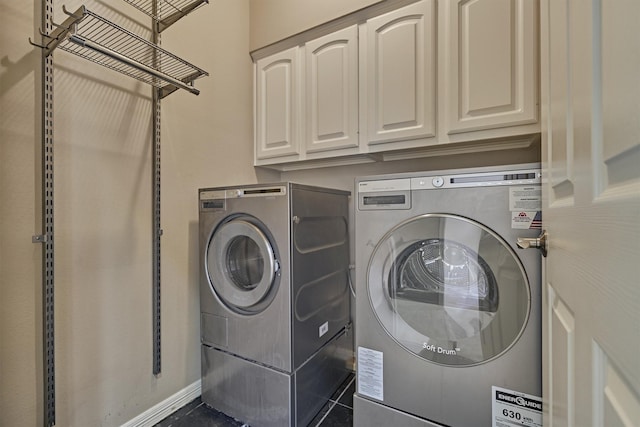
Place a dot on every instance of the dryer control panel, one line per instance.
(384, 194)
(395, 193)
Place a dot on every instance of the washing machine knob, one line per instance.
(437, 181)
(238, 193)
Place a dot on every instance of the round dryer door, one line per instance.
(241, 265)
(448, 289)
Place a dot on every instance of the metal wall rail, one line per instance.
(156, 208)
(45, 88)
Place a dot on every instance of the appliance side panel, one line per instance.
(320, 260)
(321, 376)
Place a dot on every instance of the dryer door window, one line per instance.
(241, 265)
(449, 290)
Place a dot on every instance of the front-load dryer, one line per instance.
(448, 318)
(274, 299)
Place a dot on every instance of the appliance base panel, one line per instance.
(258, 395)
(367, 413)
(246, 391)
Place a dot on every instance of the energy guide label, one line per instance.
(370, 373)
(510, 408)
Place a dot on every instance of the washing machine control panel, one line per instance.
(277, 190)
(234, 193)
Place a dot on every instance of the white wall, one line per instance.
(102, 133)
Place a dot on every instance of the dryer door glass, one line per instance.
(241, 265)
(449, 290)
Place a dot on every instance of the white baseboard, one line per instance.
(168, 406)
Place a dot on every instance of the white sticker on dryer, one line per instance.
(511, 408)
(370, 373)
(323, 329)
(525, 198)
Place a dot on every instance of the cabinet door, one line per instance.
(492, 79)
(398, 73)
(332, 91)
(278, 105)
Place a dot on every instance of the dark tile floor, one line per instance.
(338, 412)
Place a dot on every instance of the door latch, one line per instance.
(540, 242)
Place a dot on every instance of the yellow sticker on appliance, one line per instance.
(525, 198)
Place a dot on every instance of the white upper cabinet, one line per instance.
(397, 74)
(430, 76)
(277, 100)
(492, 60)
(331, 72)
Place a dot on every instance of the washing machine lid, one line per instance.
(448, 289)
(241, 264)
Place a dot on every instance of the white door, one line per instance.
(590, 55)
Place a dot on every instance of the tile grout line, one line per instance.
(335, 402)
(343, 392)
(333, 405)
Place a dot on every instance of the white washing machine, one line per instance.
(448, 326)
(274, 298)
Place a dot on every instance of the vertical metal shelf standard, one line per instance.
(46, 238)
(156, 226)
(92, 37)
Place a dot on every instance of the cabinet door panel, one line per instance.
(400, 74)
(332, 91)
(492, 76)
(277, 105)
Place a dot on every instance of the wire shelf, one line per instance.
(101, 41)
(166, 12)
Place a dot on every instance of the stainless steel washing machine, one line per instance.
(274, 298)
(448, 326)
